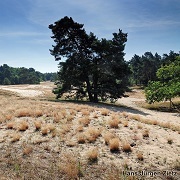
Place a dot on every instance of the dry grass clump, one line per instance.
(126, 147)
(93, 131)
(139, 126)
(69, 117)
(44, 130)
(68, 165)
(23, 126)
(95, 115)
(38, 113)
(140, 156)
(65, 128)
(85, 112)
(145, 133)
(154, 122)
(92, 155)
(71, 143)
(113, 122)
(107, 137)
(27, 150)
(57, 117)
(165, 125)
(81, 138)
(51, 127)
(84, 121)
(15, 137)
(79, 128)
(9, 117)
(125, 123)
(10, 125)
(24, 112)
(104, 112)
(37, 125)
(114, 144)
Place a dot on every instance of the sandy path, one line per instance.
(38, 90)
(150, 114)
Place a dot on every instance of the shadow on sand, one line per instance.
(112, 107)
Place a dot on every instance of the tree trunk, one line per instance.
(89, 90)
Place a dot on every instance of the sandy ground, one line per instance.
(157, 152)
(39, 90)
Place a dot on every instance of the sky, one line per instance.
(152, 25)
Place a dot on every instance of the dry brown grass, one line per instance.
(44, 130)
(27, 150)
(37, 125)
(10, 125)
(126, 147)
(80, 128)
(38, 113)
(23, 126)
(92, 155)
(125, 123)
(113, 122)
(69, 117)
(68, 165)
(145, 133)
(24, 112)
(114, 144)
(140, 156)
(84, 121)
(85, 112)
(139, 126)
(104, 112)
(93, 131)
(81, 138)
(108, 136)
(15, 137)
(51, 127)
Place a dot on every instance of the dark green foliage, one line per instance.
(93, 68)
(10, 75)
(168, 84)
(144, 68)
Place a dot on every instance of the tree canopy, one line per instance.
(10, 75)
(144, 67)
(89, 67)
(168, 84)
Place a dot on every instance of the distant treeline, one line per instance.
(10, 75)
(144, 68)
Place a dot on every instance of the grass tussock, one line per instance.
(113, 122)
(37, 125)
(10, 125)
(68, 165)
(140, 156)
(107, 137)
(15, 137)
(23, 126)
(27, 150)
(114, 144)
(92, 155)
(145, 133)
(104, 112)
(126, 147)
(81, 138)
(84, 121)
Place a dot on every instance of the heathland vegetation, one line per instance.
(44, 138)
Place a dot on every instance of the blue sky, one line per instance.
(152, 25)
